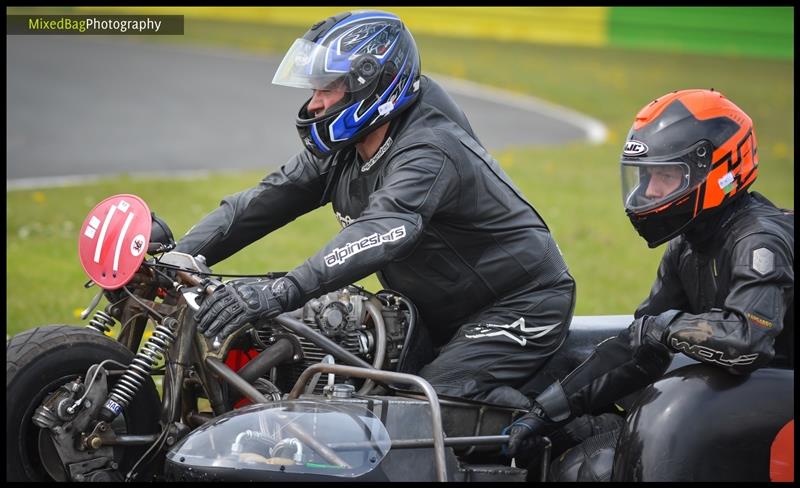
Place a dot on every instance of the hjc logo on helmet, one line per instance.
(634, 148)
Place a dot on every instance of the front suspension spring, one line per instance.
(102, 322)
(141, 366)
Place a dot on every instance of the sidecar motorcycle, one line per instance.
(324, 393)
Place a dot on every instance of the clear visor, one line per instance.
(647, 185)
(312, 66)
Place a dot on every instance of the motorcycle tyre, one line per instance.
(40, 360)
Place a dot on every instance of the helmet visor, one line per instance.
(312, 66)
(647, 185)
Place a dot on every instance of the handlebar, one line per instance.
(195, 281)
(190, 295)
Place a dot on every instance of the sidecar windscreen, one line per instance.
(288, 437)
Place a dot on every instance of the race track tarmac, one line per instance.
(95, 106)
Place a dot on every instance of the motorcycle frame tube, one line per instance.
(322, 341)
(384, 377)
(486, 440)
(182, 350)
(196, 419)
(205, 361)
(131, 337)
(380, 342)
(228, 375)
(275, 354)
(130, 440)
(212, 388)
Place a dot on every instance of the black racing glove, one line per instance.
(526, 433)
(237, 303)
(550, 410)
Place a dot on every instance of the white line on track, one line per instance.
(62, 181)
(595, 130)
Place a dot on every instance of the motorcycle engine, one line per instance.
(356, 321)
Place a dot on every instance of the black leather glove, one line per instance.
(526, 433)
(237, 303)
(650, 328)
(550, 410)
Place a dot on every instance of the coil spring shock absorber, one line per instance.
(139, 369)
(101, 322)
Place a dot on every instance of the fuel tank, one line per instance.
(701, 423)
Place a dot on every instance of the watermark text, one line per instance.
(95, 24)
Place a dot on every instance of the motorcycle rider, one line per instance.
(421, 203)
(724, 290)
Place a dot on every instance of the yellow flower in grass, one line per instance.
(780, 150)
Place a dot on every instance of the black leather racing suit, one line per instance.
(440, 222)
(728, 300)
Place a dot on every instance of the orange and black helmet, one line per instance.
(688, 154)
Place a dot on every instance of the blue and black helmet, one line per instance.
(369, 53)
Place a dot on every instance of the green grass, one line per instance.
(45, 274)
(575, 188)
